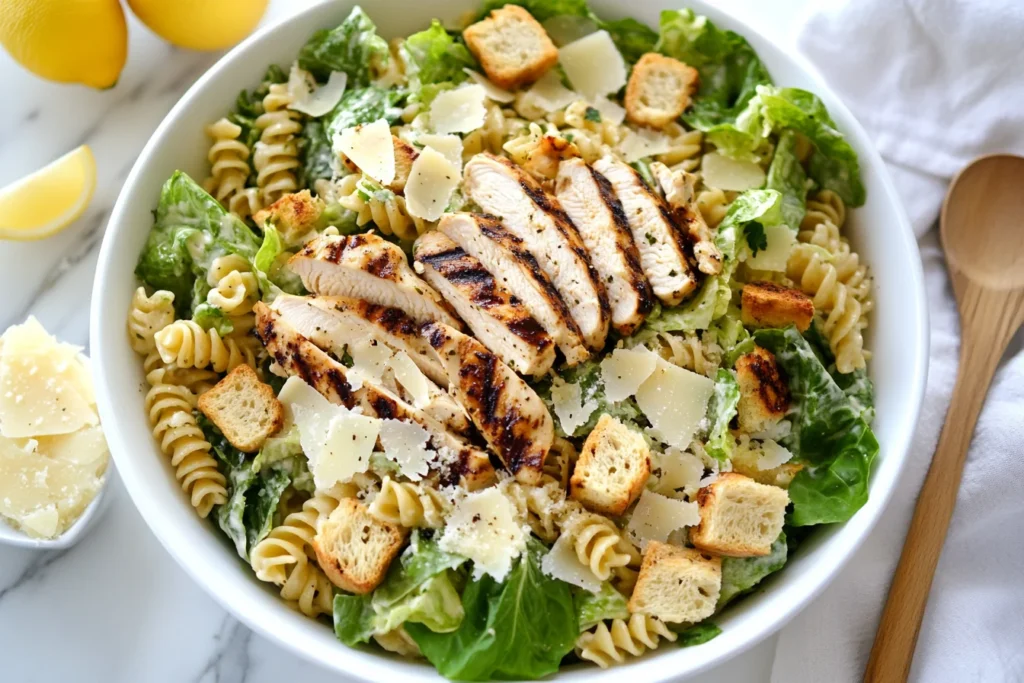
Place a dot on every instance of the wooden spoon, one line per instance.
(982, 228)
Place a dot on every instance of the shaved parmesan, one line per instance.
(548, 94)
(572, 411)
(594, 65)
(369, 360)
(781, 240)
(656, 516)
(772, 455)
(432, 179)
(564, 564)
(624, 370)
(458, 111)
(492, 91)
(482, 527)
(405, 444)
(724, 173)
(448, 145)
(411, 378)
(369, 146)
(644, 143)
(322, 100)
(680, 473)
(675, 402)
(297, 393)
(610, 111)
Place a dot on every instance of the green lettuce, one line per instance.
(353, 47)
(588, 376)
(732, 336)
(418, 589)
(721, 411)
(730, 70)
(317, 155)
(830, 434)
(741, 574)
(697, 634)
(787, 177)
(520, 628)
(211, 317)
(283, 445)
(592, 608)
(364, 105)
(191, 230)
(271, 267)
(434, 57)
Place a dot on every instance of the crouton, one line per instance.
(511, 46)
(612, 468)
(355, 548)
(243, 408)
(405, 154)
(294, 215)
(746, 460)
(659, 90)
(677, 584)
(766, 304)
(739, 517)
(764, 394)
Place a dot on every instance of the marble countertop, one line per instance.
(117, 608)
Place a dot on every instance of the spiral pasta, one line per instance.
(685, 349)
(381, 206)
(825, 206)
(147, 316)
(229, 160)
(234, 290)
(713, 205)
(543, 507)
(246, 202)
(593, 139)
(174, 426)
(607, 646)
(409, 505)
(560, 460)
(188, 345)
(499, 125)
(284, 556)
(276, 156)
(195, 380)
(599, 544)
(685, 150)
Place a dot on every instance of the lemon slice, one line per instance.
(49, 200)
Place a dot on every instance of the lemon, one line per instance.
(80, 41)
(46, 202)
(200, 24)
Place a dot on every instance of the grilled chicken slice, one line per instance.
(493, 313)
(462, 462)
(505, 256)
(370, 268)
(588, 199)
(504, 190)
(334, 323)
(507, 412)
(679, 190)
(662, 247)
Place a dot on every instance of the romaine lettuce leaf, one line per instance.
(364, 105)
(210, 317)
(697, 634)
(521, 628)
(353, 47)
(191, 230)
(317, 156)
(271, 267)
(787, 176)
(721, 410)
(434, 57)
(592, 608)
(741, 574)
(631, 37)
(282, 445)
(830, 434)
(542, 10)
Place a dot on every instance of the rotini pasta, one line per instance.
(499, 125)
(174, 426)
(560, 460)
(685, 151)
(147, 316)
(195, 380)
(685, 349)
(379, 205)
(276, 157)
(188, 345)
(607, 646)
(713, 205)
(409, 505)
(599, 544)
(229, 161)
(234, 290)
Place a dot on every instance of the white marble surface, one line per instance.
(117, 608)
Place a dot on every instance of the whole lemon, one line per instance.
(68, 41)
(200, 24)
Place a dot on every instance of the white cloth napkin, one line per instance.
(936, 83)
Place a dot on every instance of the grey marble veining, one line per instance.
(116, 608)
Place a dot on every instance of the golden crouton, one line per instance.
(677, 584)
(354, 548)
(243, 408)
(764, 394)
(612, 468)
(511, 46)
(739, 517)
(766, 304)
(294, 215)
(659, 90)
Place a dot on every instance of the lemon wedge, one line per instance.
(49, 200)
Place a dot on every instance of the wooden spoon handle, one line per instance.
(984, 337)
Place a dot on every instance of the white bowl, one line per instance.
(898, 338)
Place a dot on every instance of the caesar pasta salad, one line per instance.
(526, 342)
